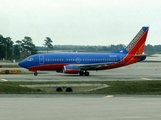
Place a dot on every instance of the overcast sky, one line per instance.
(80, 22)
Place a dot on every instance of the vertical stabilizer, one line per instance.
(136, 46)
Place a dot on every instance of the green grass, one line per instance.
(116, 87)
(14, 88)
(131, 87)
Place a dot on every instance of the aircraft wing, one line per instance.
(92, 66)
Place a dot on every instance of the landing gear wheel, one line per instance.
(81, 73)
(35, 73)
(86, 73)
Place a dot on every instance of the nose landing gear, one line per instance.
(36, 73)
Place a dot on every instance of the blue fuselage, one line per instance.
(71, 58)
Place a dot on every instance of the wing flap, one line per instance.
(92, 66)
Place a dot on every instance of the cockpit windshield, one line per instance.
(29, 59)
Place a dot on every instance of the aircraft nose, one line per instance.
(21, 64)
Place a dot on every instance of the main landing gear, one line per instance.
(81, 73)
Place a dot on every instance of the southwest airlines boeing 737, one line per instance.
(81, 63)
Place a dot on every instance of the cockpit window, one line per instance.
(29, 59)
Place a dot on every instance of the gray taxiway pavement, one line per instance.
(84, 107)
(138, 71)
(80, 107)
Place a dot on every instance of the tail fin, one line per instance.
(136, 46)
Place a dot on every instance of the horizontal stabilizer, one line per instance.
(139, 56)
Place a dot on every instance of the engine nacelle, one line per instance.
(71, 69)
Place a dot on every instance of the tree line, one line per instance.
(21, 48)
(25, 47)
(91, 48)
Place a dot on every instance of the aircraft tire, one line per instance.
(86, 73)
(35, 73)
(81, 73)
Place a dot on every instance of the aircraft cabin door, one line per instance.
(41, 59)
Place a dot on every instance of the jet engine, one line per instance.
(69, 69)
